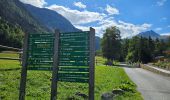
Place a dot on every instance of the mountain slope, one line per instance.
(10, 35)
(150, 33)
(15, 13)
(51, 19)
(15, 20)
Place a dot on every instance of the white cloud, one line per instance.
(76, 16)
(158, 29)
(163, 19)
(165, 34)
(161, 2)
(79, 4)
(80, 18)
(127, 29)
(111, 10)
(37, 3)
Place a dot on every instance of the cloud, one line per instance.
(158, 29)
(82, 19)
(168, 26)
(79, 4)
(161, 2)
(165, 34)
(163, 19)
(111, 10)
(76, 16)
(126, 29)
(37, 3)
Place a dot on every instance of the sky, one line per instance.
(130, 16)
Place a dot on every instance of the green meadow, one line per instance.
(107, 78)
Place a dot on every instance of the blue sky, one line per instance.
(130, 16)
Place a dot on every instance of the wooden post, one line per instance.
(55, 67)
(92, 64)
(24, 69)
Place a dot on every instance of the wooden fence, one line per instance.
(16, 51)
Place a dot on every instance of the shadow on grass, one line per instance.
(10, 69)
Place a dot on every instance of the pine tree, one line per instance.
(111, 44)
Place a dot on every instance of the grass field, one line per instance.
(38, 83)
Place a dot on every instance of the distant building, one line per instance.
(159, 58)
(166, 52)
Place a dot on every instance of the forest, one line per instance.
(135, 49)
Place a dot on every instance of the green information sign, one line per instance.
(70, 56)
(74, 69)
(40, 51)
(73, 56)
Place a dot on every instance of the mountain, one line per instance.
(15, 13)
(51, 19)
(54, 20)
(150, 33)
(15, 20)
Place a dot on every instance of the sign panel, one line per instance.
(40, 51)
(73, 60)
(73, 56)
(74, 69)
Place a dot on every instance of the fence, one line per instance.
(15, 51)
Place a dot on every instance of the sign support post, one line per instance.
(55, 67)
(24, 69)
(92, 64)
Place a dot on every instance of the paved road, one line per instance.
(151, 85)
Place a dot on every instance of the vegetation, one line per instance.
(13, 55)
(111, 44)
(15, 20)
(164, 65)
(38, 83)
(10, 35)
(136, 49)
(140, 49)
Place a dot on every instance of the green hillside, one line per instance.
(15, 21)
(10, 35)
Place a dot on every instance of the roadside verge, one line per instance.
(155, 70)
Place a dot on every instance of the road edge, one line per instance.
(155, 70)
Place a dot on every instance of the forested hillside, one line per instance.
(15, 21)
(10, 35)
(15, 13)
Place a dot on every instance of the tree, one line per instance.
(124, 49)
(151, 47)
(110, 44)
(139, 50)
(133, 54)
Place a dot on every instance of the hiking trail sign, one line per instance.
(40, 51)
(69, 55)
